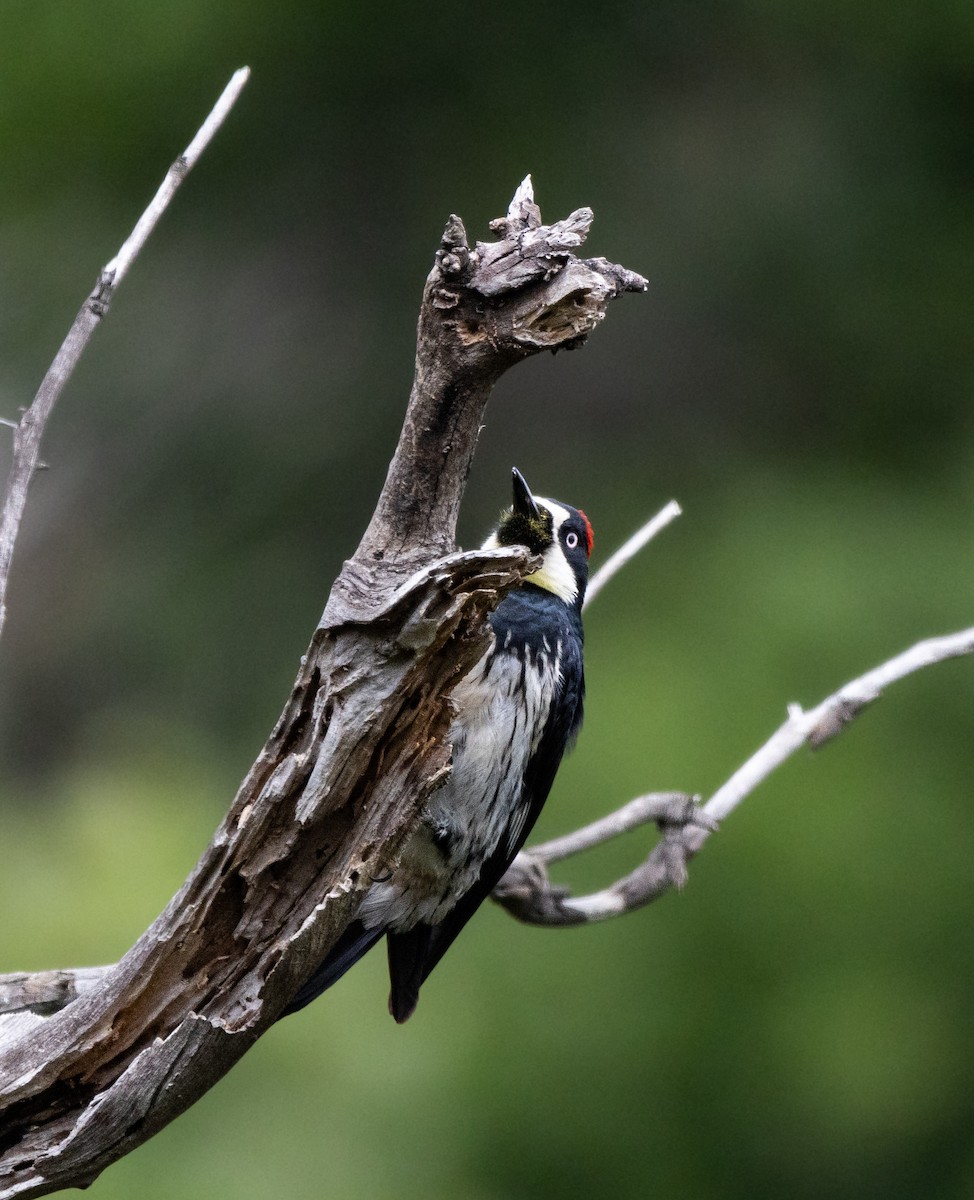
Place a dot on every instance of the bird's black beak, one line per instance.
(525, 504)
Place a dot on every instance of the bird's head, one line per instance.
(559, 534)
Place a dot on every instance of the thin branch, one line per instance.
(824, 722)
(529, 895)
(644, 810)
(119, 265)
(30, 429)
(630, 548)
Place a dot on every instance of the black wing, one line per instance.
(355, 942)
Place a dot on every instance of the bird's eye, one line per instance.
(571, 541)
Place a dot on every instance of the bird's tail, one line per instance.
(350, 947)
(408, 967)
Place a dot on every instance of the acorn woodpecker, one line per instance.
(516, 713)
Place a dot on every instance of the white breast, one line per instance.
(501, 711)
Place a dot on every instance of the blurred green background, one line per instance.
(795, 179)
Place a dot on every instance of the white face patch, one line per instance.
(555, 573)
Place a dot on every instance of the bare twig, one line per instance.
(630, 548)
(654, 806)
(820, 724)
(30, 429)
(529, 895)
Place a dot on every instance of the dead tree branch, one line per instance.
(28, 431)
(358, 748)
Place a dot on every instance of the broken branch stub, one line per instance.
(484, 309)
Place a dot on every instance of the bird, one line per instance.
(515, 714)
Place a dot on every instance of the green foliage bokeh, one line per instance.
(795, 179)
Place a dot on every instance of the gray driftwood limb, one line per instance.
(360, 744)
